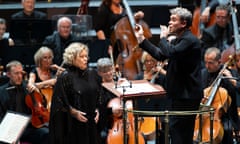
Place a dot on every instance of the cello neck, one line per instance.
(129, 13)
(83, 9)
(235, 24)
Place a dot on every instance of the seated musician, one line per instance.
(213, 67)
(105, 71)
(153, 71)
(12, 97)
(59, 40)
(43, 75)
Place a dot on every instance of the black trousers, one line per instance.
(182, 127)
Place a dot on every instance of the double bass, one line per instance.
(197, 25)
(125, 40)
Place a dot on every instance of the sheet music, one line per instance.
(136, 88)
(12, 126)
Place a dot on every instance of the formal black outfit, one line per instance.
(105, 20)
(13, 99)
(35, 15)
(183, 80)
(229, 119)
(106, 115)
(215, 36)
(78, 89)
(159, 79)
(52, 74)
(58, 45)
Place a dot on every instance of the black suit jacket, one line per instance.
(34, 15)
(183, 70)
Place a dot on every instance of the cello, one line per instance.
(39, 106)
(125, 40)
(116, 133)
(218, 98)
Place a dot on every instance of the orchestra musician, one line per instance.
(219, 35)
(74, 108)
(109, 13)
(153, 71)
(12, 97)
(203, 14)
(106, 72)
(43, 75)
(29, 11)
(59, 40)
(183, 83)
(213, 66)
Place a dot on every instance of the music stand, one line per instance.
(137, 89)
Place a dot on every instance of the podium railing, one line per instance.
(167, 114)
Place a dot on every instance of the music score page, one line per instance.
(12, 126)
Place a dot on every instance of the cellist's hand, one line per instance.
(228, 74)
(138, 15)
(32, 87)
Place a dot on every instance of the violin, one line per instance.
(40, 108)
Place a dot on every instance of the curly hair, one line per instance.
(72, 51)
(184, 14)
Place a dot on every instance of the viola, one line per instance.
(39, 106)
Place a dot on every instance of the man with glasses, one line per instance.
(220, 34)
